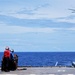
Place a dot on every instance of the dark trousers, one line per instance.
(5, 64)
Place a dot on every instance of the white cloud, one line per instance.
(48, 10)
(19, 29)
(22, 29)
(69, 20)
(71, 29)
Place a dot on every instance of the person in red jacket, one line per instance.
(6, 60)
(7, 52)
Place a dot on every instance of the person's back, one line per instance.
(7, 53)
(11, 60)
(6, 60)
(11, 54)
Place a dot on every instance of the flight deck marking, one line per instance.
(51, 74)
(32, 74)
(61, 70)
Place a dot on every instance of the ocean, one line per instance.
(44, 58)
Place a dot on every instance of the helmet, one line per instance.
(12, 50)
(7, 48)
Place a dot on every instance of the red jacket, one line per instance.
(6, 53)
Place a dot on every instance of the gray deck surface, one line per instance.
(41, 71)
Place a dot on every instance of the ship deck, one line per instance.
(41, 71)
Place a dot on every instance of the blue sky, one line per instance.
(37, 25)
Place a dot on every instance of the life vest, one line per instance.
(7, 53)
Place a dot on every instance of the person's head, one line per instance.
(14, 55)
(7, 48)
(12, 50)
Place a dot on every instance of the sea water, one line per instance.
(44, 58)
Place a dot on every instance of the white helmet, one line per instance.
(12, 50)
(7, 48)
